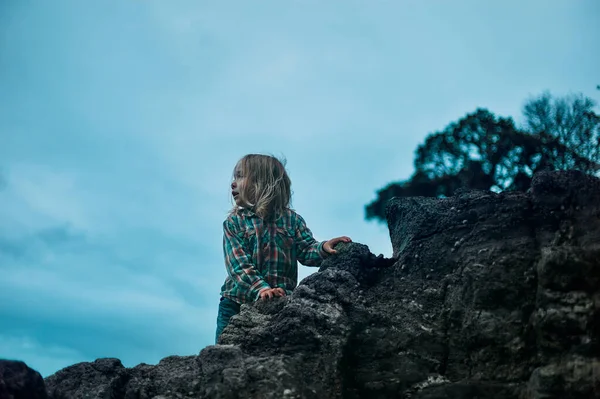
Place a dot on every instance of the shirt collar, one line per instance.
(246, 212)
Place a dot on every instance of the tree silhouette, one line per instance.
(571, 122)
(483, 151)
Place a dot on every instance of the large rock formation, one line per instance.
(488, 296)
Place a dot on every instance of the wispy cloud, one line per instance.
(48, 358)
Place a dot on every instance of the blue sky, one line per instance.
(121, 121)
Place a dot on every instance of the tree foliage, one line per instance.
(483, 151)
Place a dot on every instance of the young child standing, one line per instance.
(263, 239)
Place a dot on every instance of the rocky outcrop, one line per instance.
(488, 295)
(173, 377)
(17, 381)
(514, 282)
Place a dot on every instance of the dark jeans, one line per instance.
(227, 309)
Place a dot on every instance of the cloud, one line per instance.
(46, 359)
(79, 277)
(96, 304)
(48, 193)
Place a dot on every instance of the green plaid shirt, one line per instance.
(264, 254)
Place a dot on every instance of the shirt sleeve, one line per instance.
(239, 264)
(308, 250)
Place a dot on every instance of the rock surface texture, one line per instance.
(17, 381)
(488, 296)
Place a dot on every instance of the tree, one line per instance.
(571, 122)
(482, 151)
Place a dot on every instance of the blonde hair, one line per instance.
(266, 187)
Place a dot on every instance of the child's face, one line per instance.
(238, 184)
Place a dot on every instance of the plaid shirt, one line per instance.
(261, 254)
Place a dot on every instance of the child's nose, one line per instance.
(233, 185)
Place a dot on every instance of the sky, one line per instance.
(121, 122)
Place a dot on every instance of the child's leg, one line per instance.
(227, 309)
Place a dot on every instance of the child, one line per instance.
(263, 238)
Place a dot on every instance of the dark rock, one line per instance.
(520, 275)
(103, 378)
(487, 296)
(174, 376)
(17, 381)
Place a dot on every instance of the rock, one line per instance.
(103, 378)
(17, 381)
(173, 377)
(571, 377)
(527, 301)
(487, 295)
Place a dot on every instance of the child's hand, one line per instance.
(271, 293)
(328, 246)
